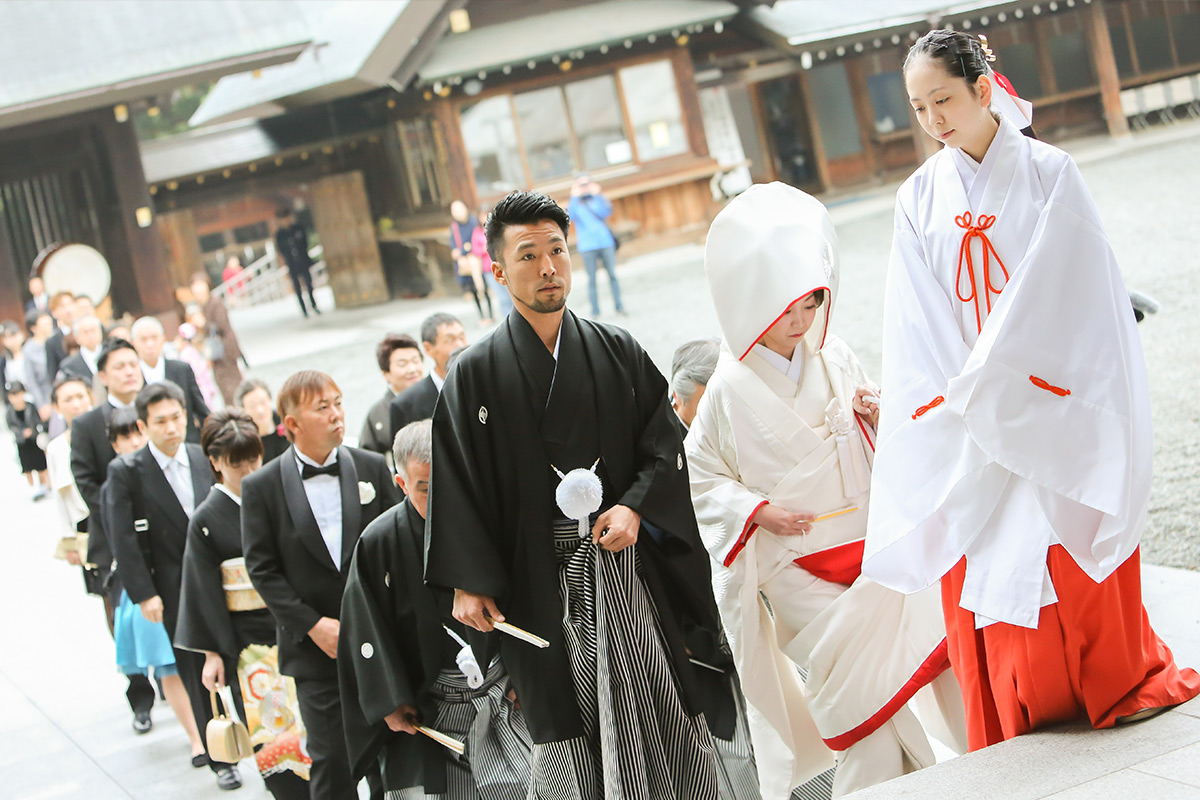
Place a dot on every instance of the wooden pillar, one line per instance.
(1100, 43)
(154, 290)
(863, 112)
(12, 283)
(462, 182)
(689, 101)
(814, 130)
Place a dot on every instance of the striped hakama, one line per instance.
(639, 741)
(496, 763)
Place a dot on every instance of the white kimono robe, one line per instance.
(759, 437)
(1012, 420)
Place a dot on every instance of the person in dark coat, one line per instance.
(233, 630)
(301, 517)
(402, 365)
(441, 335)
(291, 245)
(254, 396)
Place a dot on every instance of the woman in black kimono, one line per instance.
(224, 618)
(255, 398)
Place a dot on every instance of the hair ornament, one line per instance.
(988, 55)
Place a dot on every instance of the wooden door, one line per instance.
(843, 149)
(182, 244)
(342, 217)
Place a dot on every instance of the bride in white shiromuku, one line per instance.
(780, 457)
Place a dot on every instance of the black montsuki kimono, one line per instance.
(496, 431)
(391, 648)
(205, 622)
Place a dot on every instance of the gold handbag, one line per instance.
(227, 738)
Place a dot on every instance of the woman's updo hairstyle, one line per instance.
(230, 433)
(960, 54)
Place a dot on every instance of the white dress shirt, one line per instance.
(89, 357)
(115, 403)
(325, 499)
(438, 380)
(178, 471)
(793, 369)
(157, 373)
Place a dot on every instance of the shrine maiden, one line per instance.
(780, 453)
(1015, 446)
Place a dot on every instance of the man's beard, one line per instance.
(548, 306)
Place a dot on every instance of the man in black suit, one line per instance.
(302, 514)
(148, 338)
(152, 494)
(62, 308)
(89, 335)
(117, 367)
(38, 299)
(441, 335)
(402, 365)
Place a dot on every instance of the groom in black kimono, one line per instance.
(613, 705)
(302, 514)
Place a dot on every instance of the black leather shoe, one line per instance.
(228, 779)
(200, 760)
(142, 722)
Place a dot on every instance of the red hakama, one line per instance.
(1093, 653)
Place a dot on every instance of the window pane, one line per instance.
(596, 117)
(1018, 62)
(1072, 62)
(424, 163)
(1150, 40)
(1186, 30)
(653, 103)
(889, 102)
(835, 111)
(491, 140)
(543, 121)
(1120, 46)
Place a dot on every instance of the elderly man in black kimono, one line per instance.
(613, 704)
(404, 661)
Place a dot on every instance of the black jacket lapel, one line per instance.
(158, 489)
(351, 506)
(303, 520)
(202, 477)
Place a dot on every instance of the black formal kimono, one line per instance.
(377, 426)
(290, 566)
(275, 443)
(413, 404)
(56, 352)
(150, 562)
(509, 416)
(207, 625)
(394, 651)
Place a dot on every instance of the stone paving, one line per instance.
(64, 725)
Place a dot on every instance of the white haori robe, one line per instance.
(760, 437)
(1016, 408)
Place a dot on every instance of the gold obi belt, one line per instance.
(240, 594)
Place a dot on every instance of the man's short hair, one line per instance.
(692, 366)
(86, 321)
(144, 323)
(246, 387)
(521, 208)
(58, 298)
(413, 442)
(111, 346)
(230, 433)
(123, 422)
(15, 387)
(393, 342)
(302, 387)
(61, 382)
(157, 392)
(429, 328)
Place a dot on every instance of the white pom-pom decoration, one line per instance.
(579, 494)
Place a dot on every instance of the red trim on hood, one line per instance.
(828, 303)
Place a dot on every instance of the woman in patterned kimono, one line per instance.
(232, 626)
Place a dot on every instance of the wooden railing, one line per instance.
(267, 279)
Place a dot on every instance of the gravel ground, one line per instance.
(1146, 192)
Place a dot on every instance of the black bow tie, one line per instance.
(309, 471)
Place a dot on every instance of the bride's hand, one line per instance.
(782, 522)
